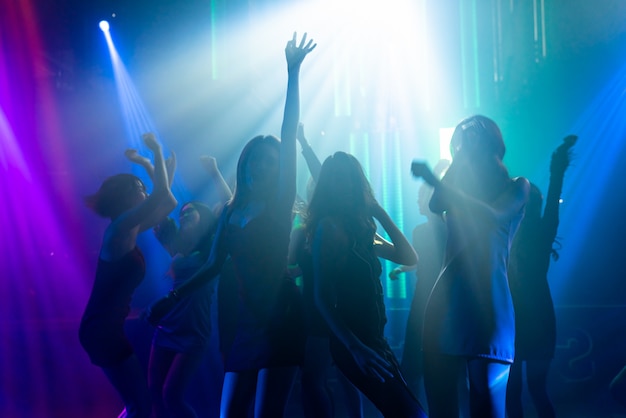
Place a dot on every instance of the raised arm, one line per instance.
(329, 249)
(399, 250)
(313, 163)
(445, 196)
(223, 191)
(294, 54)
(159, 203)
(170, 164)
(558, 165)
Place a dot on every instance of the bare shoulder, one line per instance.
(519, 190)
(520, 184)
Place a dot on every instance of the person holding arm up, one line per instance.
(181, 338)
(346, 272)
(469, 319)
(535, 319)
(254, 231)
(122, 198)
(317, 398)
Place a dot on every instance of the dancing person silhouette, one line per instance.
(469, 320)
(121, 268)
(317, 398)
(254, 231)
(181, 337)
(344, 265)
(535, 319)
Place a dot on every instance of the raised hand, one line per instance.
(295, 53)
(151, 142)
(421, 169)
(209, 163)
(170, 166)
(134, 157)
(562, 156)
(300, 135)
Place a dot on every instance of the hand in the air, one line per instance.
(421, 169)
(295, 53)
(151, 142)
(562, 156)
(209, 163)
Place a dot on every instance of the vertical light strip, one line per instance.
(475, 55)
(425, 53)
(497, 41)
(535, 24)
(390, 289)
(384, 171)
(544, 49)
(366, 155)
(463, 54)
(398, 205)
(398, 168)
(336, 84)
(348, 98)
(213, 40)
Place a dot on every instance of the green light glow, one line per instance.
(392, 202)
(398, 205)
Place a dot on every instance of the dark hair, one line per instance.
(110, 199)
(485, 177)
(353, 210)
(481, 133)
(242, 192)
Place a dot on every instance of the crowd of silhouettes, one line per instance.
(298, 281)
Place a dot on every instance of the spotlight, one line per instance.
(104, 25)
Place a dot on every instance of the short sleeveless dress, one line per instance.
(101, 331)
(269, 330)
(470, 310)
(359, 303)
